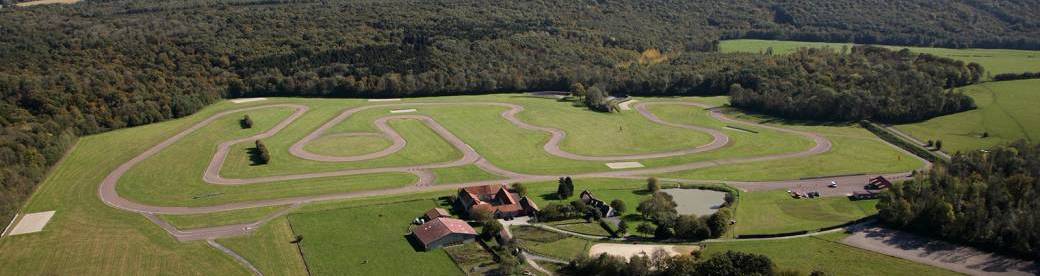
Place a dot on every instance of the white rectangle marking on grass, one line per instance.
(246, 100)
(624, 165)
(32, 223)
(402, 111)
(383, 100)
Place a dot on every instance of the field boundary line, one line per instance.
(299, 249)
(241, 260)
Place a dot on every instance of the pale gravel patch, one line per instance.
(627, 105)
(631, 250)
(402, 111)
(246, 100)
(384, 100)
(32, 223)
(624, 165)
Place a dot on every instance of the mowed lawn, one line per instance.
(368, 240)
(995, 61)
(269, 249)
(550, 244)
(825, 253)
(173, 177)
(342, 145)
(774, 212)
(87, 237)
(854, 149)
(1007, 110)
(600, 134)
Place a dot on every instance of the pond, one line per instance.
(696, 201)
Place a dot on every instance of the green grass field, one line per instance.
(824, 253)
(269, 249)
(87, 237)
(334, 145)
(855, 150)
(995, 61)
(776, 212)
(550, 244)
(1006, 110)
(368, 240)
(580, 226)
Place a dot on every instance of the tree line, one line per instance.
(72, 70)
(983, 198)
(660, 264)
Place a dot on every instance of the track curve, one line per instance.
(107, 189)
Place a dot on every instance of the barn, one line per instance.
(443, 231)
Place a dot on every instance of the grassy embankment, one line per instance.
(1006, 111)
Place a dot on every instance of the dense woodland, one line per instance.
(865, 83)
(71, 70)
(986, 199)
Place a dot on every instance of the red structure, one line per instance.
(497, 199)
(878, 183)
(442, 231)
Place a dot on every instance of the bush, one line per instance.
(246, 122)
(262, 155)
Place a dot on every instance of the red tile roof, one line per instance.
(436, 213)
(440, 227)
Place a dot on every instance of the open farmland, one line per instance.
(1006, 112)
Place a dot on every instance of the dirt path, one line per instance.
(631, 250)
(108, 194)
(937, 253)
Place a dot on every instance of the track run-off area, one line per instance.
(469, 156)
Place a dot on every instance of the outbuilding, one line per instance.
(444, 231)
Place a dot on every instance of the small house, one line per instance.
(600, 205)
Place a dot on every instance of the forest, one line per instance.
(72, 70)
(865, 83)
(983, 198)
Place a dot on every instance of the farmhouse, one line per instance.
(444, 231)
(497, 199)
(592, 201)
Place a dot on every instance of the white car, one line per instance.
(833, 184)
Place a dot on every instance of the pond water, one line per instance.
(696, 201)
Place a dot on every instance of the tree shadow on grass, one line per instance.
(254, 157)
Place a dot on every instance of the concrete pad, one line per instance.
(631, 250)
(402, 111)
(627, 105)
(384, 100)
(624, 165)
(32, 223)
(246, 100)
